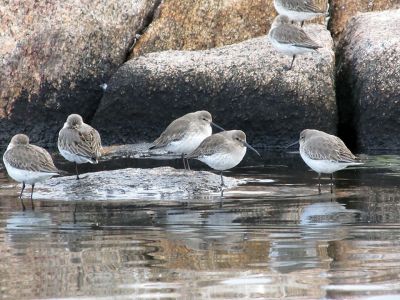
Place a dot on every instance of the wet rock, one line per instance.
(243, 85)
(205, 24)
(368, 80)
(130, 150)
(342, 10)
(55, 55)
(164, 183)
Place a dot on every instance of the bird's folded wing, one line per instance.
(215, 143)
(328, 149)
(85, 142)
(309, 6)
(292, 35)
(174, 132)
(30, 158)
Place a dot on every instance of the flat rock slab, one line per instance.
(244, 86)
(368, 80)
(164, 183)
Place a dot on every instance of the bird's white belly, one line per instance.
(224, 161)
(323, 165)
(288, 49)
(73, 157)
(189, 143)
(29, 177)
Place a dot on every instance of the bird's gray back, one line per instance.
(30, 158)
(328, 147)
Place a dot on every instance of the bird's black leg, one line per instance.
(74, 213)
(184, 161)
(222, 185)
(291, 65)
(331, 183)
(187, 164)
(20, 195)
(302, 23)
(222, 180)
(319, 183)
(76, 170)
(33, 206)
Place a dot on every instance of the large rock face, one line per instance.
(205, 24)
(54, 56)
(244, 86)
(342, 10)
(368, 80)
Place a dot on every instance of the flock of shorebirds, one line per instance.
(190, 136)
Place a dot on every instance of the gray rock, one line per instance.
(243, 85)
(368, 81)
(164, 183)
(55, 56)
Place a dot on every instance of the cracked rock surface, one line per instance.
(54, 56)
(369, 79)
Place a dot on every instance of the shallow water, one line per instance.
(273, 237)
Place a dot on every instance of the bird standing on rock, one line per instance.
(290, 39)
(222, 151)
(28, 163)
(79, 142)
(185, 134)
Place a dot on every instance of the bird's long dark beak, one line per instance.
(292, 144)
(217, 126)
(250, 147)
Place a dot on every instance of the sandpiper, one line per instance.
(222, 151)
(79, 142)
(28, 163)
(325, 153)
(298, 10)
(185, 134)
(290, 39)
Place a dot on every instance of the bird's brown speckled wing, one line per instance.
(30, 158)
(84, 141)
(293, 35)
(329, 148)
(303, 6)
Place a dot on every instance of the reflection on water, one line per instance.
(275, 237)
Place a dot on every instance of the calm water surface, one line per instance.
(273, 237)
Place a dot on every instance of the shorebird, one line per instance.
(28, 163)
(298, 10)
(185, 134)
(290, 39)
(325, 153)
(222, 151)
(79, 142)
